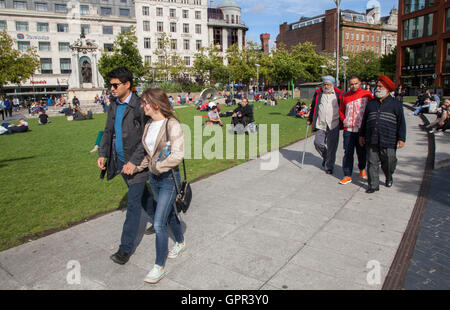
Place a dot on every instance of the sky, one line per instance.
(265, 16)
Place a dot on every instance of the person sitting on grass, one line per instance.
(242, 114)
(21, 127)
(213, 117)
(304, 111)
(79, 115)
(43, 118)
(441, 123)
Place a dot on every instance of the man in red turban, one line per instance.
(383, 130)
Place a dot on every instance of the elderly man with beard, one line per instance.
(383, 130)
(325, 121)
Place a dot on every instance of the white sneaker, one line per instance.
(176, 250)
(155, 274)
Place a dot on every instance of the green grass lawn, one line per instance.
(50, 180)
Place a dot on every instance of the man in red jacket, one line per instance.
(351, 113)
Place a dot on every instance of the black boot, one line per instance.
(120, 257)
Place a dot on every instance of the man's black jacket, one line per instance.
(133, 124)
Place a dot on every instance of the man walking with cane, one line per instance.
(324, 119)
(351, 113)
(383, 130)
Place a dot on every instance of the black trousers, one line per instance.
(377, 155)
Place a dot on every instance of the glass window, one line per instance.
(22, 5)
(86, 28)
(63, 46)
(124, 12)
(160, 43)
(418, 27)
(62, 27)
(46, 65)
(187, 60)
(159, 11)
(145, 11)
(41, 6)
(44, 46)
(198, 15)
(172, 13)
(2, 4)
(84, 9)
(416, 5)
(185, 28)
(346, 35)
(352, 36)
(160, 26)
(105, 11)
(125, 29)
(64, 65)
(198, 44)
(185, 14)
(148, 59)
(23, 45)
(42, 27)
(186, 44)
(447, 20)
(2, 24)
(107, 29)
(447, 58)
(357, 37)
(22, 26)
(198, 29)
(173, 27)
(173, 44)
(147, 43)
(108, 47)
(146, 25)
(60, 8)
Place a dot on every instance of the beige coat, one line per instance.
(176, 156)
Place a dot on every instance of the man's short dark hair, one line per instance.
(122, 74)
(354, 77)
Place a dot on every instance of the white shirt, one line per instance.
(152, 134)
(328, 112)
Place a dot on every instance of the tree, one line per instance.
(285, 67)
(365, 65)
(242, 62)
(208, 66)
(388, 63)
(125, 53)
(307, 61)
(16, 66)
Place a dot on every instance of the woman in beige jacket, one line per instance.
(160, 163)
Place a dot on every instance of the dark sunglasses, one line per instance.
(115, 85)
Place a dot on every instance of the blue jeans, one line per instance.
(419, 109)
(351, 141)
(164, 192)
(138, 197)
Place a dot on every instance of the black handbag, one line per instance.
(184, 193)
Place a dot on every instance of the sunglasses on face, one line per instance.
(115, 85)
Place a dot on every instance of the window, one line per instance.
(418, 27)
(60, 8)
(108, 47)
(22, 26)
(187, 60)
(125, 29)
(160, 43)
(198, 29)
(373, 38)
(123, 1)
(232, 19)
(2, 4)
(124, 12)
(42, 7)
(147, 43)
(185, 28)
(173, 27)
(173, 44)
(351, 36)
(64, 65)
(62, 27)
(185, 14)
(145, 11)
(42, 27)
(84, 9)
(160, 26)
(46, 66)
(198, 44)
(86, 28)
(346, 35)
(357, 48)
(21, 5)
(172, 13)
(23, 45)
(357, 37)
(198, 14)
(186, 44)
(377, 50)
(416, 5)
(378, 38)
(159, 11)
(63, 46)
(447, 21)
(367, 38)
(2, 25)
(148, 60)
(44, 46)
(198, 2)
(227, 19)
(146, 25)
(105, 11)
(107, 29)
(237, 20)
(346, 46)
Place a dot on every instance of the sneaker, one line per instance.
(155, 274)
(120, 257)
(362, 173)
(176, 250)
(345, 180)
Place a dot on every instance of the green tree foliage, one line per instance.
(365, 65)
(388, 63)
(208, 66)
(307, 61)
(16, 66)
(242, 62)
(125, 53)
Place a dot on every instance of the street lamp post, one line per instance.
(323, 67)
(345, 58)
(338, 5)
(257, 77)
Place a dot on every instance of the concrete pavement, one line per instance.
(247, 228)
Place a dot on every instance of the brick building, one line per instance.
(358, 31)
(423, 52)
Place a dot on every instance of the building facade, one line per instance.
(357, 32)
(423, 52)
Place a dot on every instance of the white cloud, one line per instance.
(259, 8)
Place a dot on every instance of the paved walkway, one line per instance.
(289, 228)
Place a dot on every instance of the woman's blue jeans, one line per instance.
(164, 193)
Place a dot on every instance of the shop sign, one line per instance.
(39, 82)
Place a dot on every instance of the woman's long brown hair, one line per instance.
(158, 100)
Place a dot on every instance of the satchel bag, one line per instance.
(184, 193)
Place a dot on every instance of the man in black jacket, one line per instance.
(383, 130)
(121, 138)
(243, 114)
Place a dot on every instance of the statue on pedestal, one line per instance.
(86, 72)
